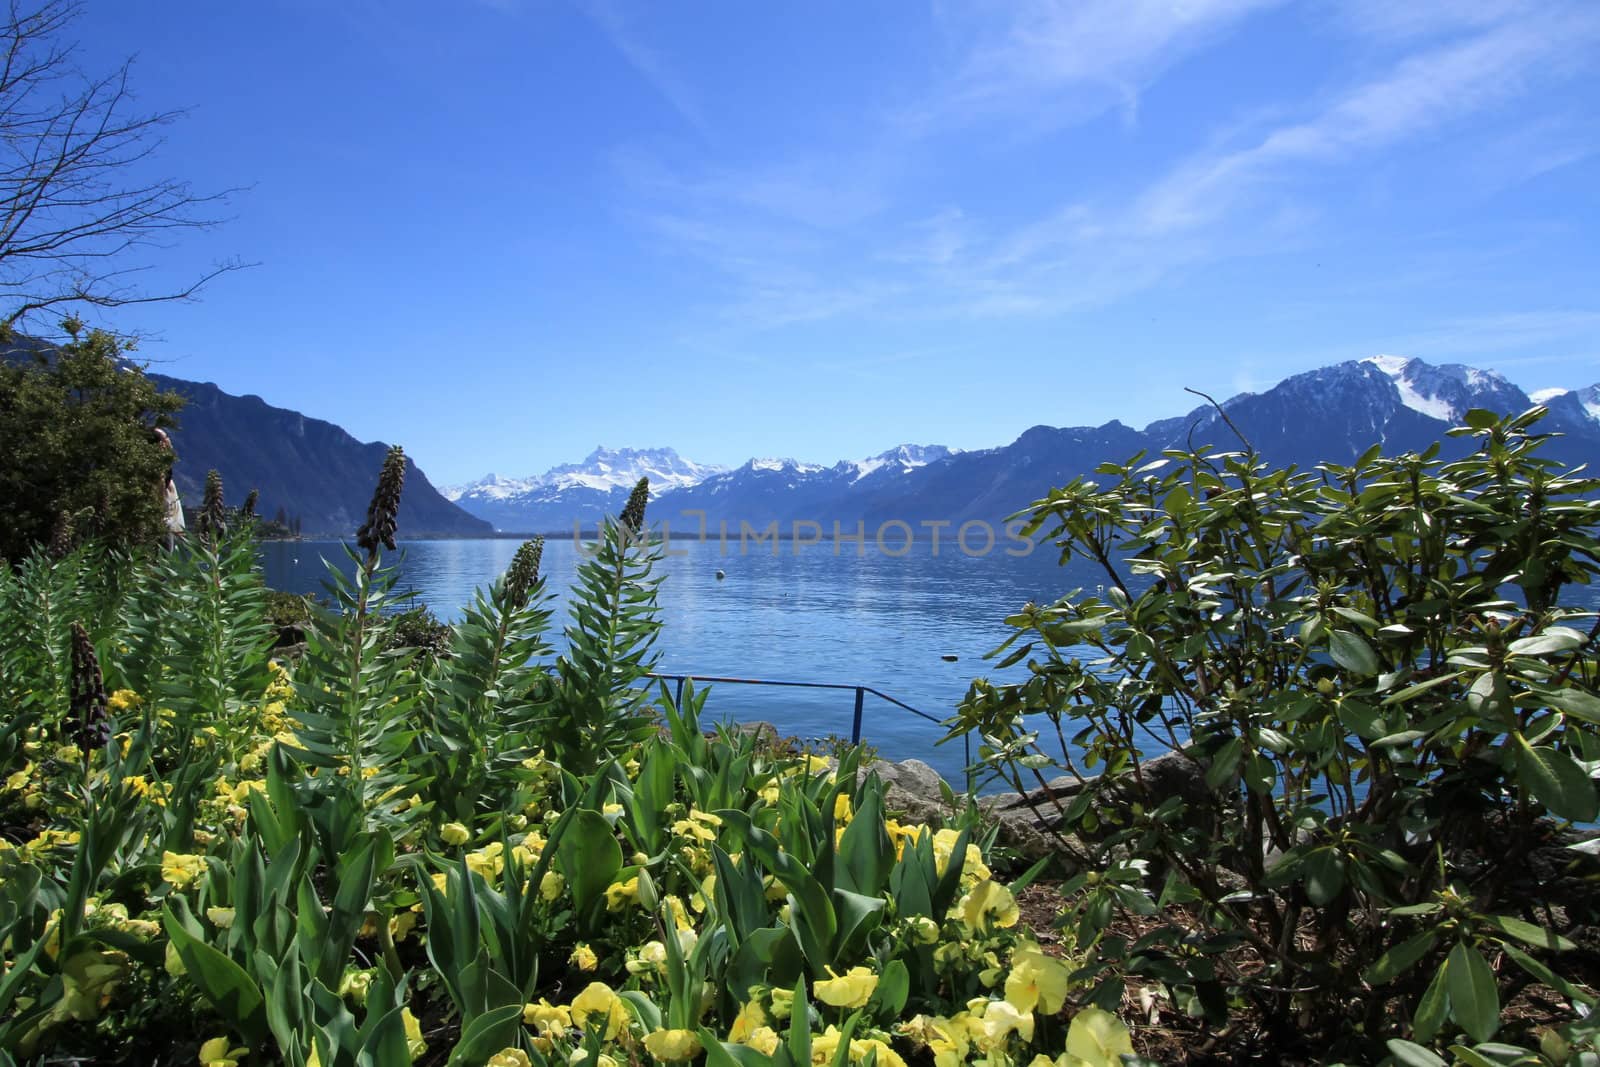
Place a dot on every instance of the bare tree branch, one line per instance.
(73, 206)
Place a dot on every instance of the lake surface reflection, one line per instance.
(815, 616)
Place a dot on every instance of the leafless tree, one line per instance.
(77, 213)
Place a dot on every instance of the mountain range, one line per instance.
(318, 476)
(321, 477)
(1333, 414)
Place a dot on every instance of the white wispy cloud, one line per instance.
(645, 59)
(1424, 92)
(1065, 61)
(828, 236)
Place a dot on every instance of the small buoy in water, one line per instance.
(720, 576)
(948, 658)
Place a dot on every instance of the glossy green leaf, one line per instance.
(1474, 998)
(1351, 651)
(1556, 780)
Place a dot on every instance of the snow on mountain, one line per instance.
(491, 487)
(605, 469)
(1588, 400)
(1448, 390)
(902, 458)
(1331, 414)
(790, 465)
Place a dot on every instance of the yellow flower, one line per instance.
(355, 985)
(619, 893)
(948, 1039)
(652, 959)
(221, 918)
(850, 990)
(670, 1046)
(1036, 980)
(583, 957)
(552, 885)
(987, 905)
(1097, 1038)
(842, 811)
(453, 833)
(598, 999)
(764, 1040)
(181, 870)
(695, 829)
(748, 1021)
(547, 1018)
(142, 928)
(999, 1021)
(973, 868)
(509, 1057)
(216, 1053)
(401, 925)
(680, 914)
(825, 1046)
(488, 861)
(122, 700)
(414, 1041)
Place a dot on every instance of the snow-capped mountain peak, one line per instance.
(1586, 400)
(604, 469)
(618, 468)
(903, 458)
(490, 487)
(766, 463)
(1445, 391)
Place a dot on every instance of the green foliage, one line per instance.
(597, 708)
(374, 856)
(1374, 671)
(78, 445)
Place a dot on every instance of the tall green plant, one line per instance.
(484, 698)
(598, 707)
(353, 716)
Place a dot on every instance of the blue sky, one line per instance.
(501, 233)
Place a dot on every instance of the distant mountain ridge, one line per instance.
(584, 493)
(1332, 414)
(313, 470)
(576, 492)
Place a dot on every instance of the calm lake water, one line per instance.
(811, 616)
(875, 620)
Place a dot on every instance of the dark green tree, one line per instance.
(77, 450)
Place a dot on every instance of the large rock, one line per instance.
(1030, 822)
(912, 788)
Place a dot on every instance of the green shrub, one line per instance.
(1376, 669)
(79, 459)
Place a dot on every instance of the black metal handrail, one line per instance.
(861, 692)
